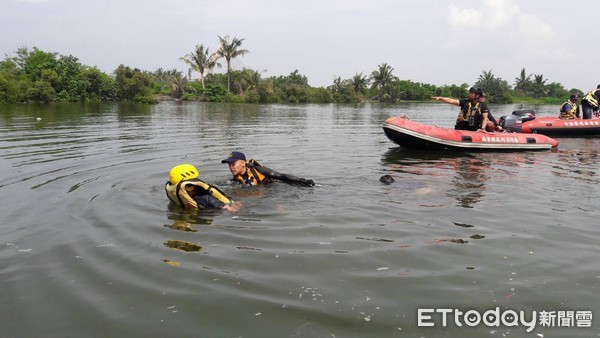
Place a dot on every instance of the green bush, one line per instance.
(215, 93)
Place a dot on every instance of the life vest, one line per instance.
(563, 113)
(591, 98)
(251, 176)
(179, 195)
(472, 117)
(471, 111)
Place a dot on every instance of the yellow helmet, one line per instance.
(182, 172)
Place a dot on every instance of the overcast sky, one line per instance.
(438, 42)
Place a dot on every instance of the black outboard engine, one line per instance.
(511, 123)
(526, 115)
(514, 123)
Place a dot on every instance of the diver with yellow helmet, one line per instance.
(185, 189)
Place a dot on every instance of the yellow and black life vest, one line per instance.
(471, 110)
(252, 176)
(591, 98)
(563, 113)
(179, 195)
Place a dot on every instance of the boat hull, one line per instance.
(553, 126)
(410, 134)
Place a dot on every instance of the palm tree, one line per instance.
(200, 61)
(178, 85)
(359, 83)
(539, 85)
(382, 78)
(523, 82)
(338, 85)
(230, 50)
(486, 77)
(251, 78)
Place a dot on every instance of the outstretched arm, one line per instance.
(448, 100)
(284, 177)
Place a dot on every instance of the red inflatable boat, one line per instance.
(525, 121)
(410, 134)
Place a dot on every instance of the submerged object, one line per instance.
(387, 179)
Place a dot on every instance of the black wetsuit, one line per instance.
(271, 175)
(208, 201)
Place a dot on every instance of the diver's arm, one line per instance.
(284, 177)
(233, 207)
(211, 202)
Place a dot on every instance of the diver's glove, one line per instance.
(308, 183)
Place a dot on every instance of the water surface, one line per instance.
(90, 246)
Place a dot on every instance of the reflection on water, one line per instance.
(578, 164)
(469, 172)
(470, 181)
(91, 245)
(183, 245)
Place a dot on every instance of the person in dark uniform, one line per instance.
(590, 103)
(473, 113)
(492, 124)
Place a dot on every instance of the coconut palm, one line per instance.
(359, 83)
(539, 85)
(201, 61)
(486, 77)
(251, 78)
(178, 85)
(382, 78)
(523, 82)
(230, 50)
(338, 85)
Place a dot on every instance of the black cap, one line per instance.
(574, 97)
(234, 156)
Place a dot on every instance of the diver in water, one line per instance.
(253, 173)
(186, 190)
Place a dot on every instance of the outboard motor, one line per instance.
(511, 123)
(514, 123)
(526, 115)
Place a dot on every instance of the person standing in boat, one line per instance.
(570, 109)
(589, 103)
(473, 113)
(253, 173)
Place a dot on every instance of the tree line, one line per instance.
(38, 76)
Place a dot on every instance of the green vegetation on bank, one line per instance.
(38, 76)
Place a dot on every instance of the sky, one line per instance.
(429, 41)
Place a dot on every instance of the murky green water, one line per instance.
(90, 247)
